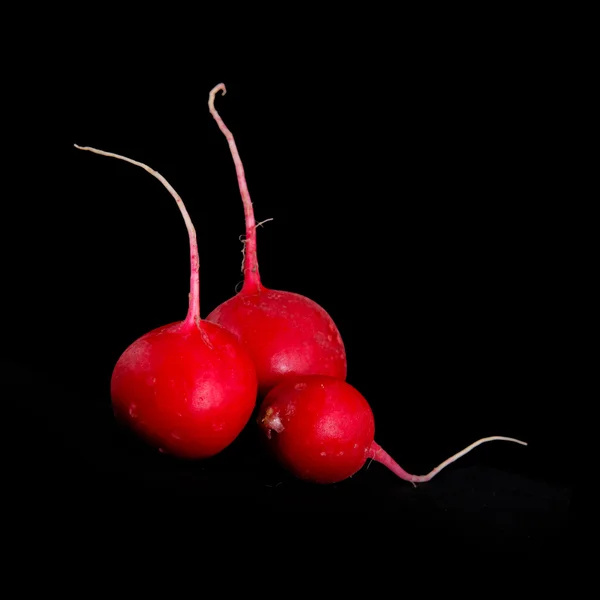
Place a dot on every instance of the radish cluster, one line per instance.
(190, 387)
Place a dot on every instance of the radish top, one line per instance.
(252, 281)
(193, 314)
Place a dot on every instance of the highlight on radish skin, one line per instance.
(322, 429)
(187, 388)
(286, 333)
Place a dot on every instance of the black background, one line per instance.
(417, 199)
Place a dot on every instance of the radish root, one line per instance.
(242, 239)
(250, 268)
(263, 222)
(376, 452)
(193, 316)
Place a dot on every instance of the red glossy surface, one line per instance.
(187, 391)
(319, 428)
(285, 333)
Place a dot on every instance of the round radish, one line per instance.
(322, 429)
(187, 388)
(286, 333)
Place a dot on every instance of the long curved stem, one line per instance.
(251, 274)
(193, 315)
(376, 452)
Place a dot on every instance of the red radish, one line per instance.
(188, 388)
(286, 333)
(322, 430)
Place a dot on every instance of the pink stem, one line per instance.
(193, 315)
(376, 452)
(251, 274)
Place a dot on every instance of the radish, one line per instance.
(286, 333)
(188, 388)
(322, 430)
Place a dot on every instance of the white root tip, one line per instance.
(263, 222)
(218, 88)
(466, 451)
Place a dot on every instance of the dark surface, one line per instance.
(78, 473)
(427, 226)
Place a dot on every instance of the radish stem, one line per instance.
(193, 315)
(376, 452)
(251, 274)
